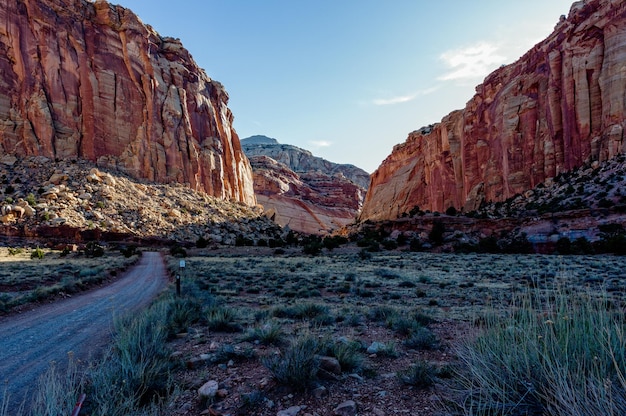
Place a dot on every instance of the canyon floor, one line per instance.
(374, 304)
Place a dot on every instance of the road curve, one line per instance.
(82, 325)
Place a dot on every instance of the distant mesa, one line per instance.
(258, 140)
(303, 192)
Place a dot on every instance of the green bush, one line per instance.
(223, 319)
(182, 312)
(37, 254)
(421, 374)
(269, 333)
(297, 366)
(94, 249)
(178, 251)
(422, 339)
(202, 242)
(348, 354)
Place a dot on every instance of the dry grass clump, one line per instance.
(560, 355)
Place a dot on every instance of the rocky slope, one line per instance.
(89, 80)
(73, 201)
(305, 193)
(558, 106)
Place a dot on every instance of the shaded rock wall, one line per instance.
(90, 80)
(562, 103)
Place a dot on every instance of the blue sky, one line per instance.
(349, 79)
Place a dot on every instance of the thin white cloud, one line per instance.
(403, 98)
(475, 61)
(321, 143)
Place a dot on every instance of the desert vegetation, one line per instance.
(255, 332)
(33, 274)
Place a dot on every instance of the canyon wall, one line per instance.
(561, 104)
(89, 80)
(306, 193)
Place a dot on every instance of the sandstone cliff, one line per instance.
(306, 193)
(90, 80)
(561, 104)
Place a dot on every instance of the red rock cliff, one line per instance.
(562, 103)
(90, 80)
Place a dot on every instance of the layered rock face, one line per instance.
(90, 80)
(303, 192)
(561, 104)
(301, 160)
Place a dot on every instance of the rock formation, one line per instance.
(89, 80)
(301, 160)
(306, 193)
(560, 105)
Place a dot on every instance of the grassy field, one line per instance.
(31, 275)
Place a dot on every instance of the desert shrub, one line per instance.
(389, 244)
(178, 251)
(312, 248)
(451, 211)
(130, 251)
(420, 374)
(30, 198)
(298, 364)
(415, 245)
(182, 312)
(335, 241)
(276, 242)
(421, 339)
(436, 233)
(270, 333)
(301, 311)
(222, 318)
(94, 249)
(563, 246)
(365, 255)
(37, 254)
(135, 371)
(402, 324)
(13, 251)
(488, 245)
(348, 353)
(382, 313)
(570, 360)
(202, 242)
(388, 349)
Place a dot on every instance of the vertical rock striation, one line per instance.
(89, 80)
(561, 104)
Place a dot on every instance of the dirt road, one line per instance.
(82, 325)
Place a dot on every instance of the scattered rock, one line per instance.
(347, 408)
(208, 390)
(375, 347)
(292, 411)
(330, 366)
(320, 392)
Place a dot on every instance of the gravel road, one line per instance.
(82, 325)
